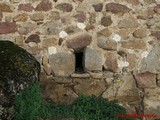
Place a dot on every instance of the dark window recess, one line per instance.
(79, 62)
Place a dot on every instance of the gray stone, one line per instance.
(93, 60)
(96, 75)
(65, 7)
(62, 63)
(63, 80)
(52, 28)
(128, 22)
(106, 44)
(104, 32)
(152, 107)
(84, 75)
(124, 90)
(54, 15)
(72, 29)
(128, 92)
(153, 57)
(152, 94)
(26, 28)
(90, 86)
(79, 42)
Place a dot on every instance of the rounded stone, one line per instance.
(18, 70)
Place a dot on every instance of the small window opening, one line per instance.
(79, 66)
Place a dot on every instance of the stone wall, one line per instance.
(107, 48)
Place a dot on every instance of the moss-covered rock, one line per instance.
(18, 69)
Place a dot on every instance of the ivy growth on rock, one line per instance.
(29, 105)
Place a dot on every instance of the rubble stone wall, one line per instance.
(118, 41)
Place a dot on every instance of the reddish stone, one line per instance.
(156, 34)
(111, 61)
(98, 7)
(26, 7)
(106, 21)
(147, 14)
(133, 2)
(89, 27)
(1, 16)
(146, 80)
(60, 41)
(33, 38)
(65, 7)
(7, 27)
(117, 8)
(157, 9)
(5, 8)
(79, 42)
(45, 5)
(81, 17)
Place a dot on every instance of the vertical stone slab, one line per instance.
(92, 60)
(62, 64)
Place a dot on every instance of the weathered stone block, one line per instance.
(57, 92)
(152, 107)
(5, 8)
(98, 7)
(65, 7)
(133, 44)
(152, 94)
(106, 44)
(92, 60)
(111, 61)
(140, 33)
(89, 86)
(48, 42)
(146, 80)
(151, 61)
(62, 63)
(25, 7)
(117, 8)
(52, 28)
(106, 21)
(1, 16)
(79, 42)
(26, 28)
(37, 17)
(8, 27)
(128, 92)
(20, 18)
(157, 9)
(128, 22)
(44, 5)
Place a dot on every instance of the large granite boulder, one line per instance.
(18, 69)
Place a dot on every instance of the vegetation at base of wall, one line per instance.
(29, 105)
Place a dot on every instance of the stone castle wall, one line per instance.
(107, 48)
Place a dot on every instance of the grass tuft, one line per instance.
(29, 105)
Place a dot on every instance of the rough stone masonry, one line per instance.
(107, 48)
